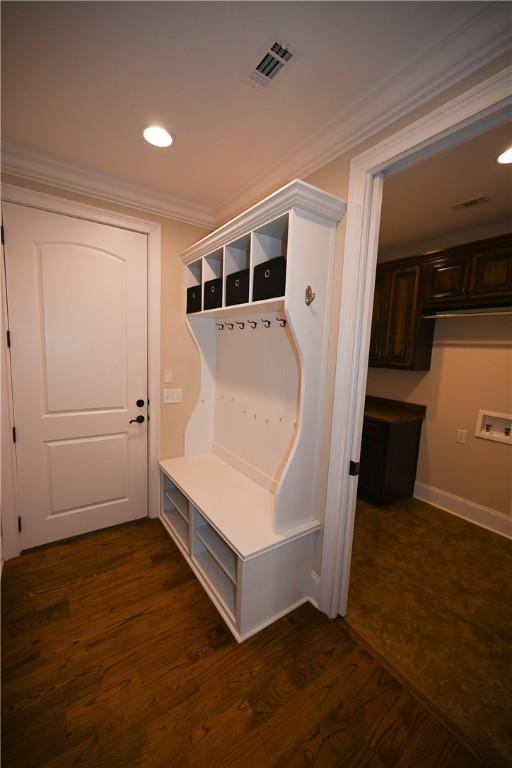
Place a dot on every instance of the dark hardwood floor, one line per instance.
(114, 656)
(432, 594)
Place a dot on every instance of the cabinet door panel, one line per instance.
(379, 317)
(403, 316)
(446, 280)
(491, 275)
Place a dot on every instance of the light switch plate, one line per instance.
(167, 375)
(172, 395)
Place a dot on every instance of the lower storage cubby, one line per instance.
(218, 549)
(176, 522)
(177, 499)
(219, 582)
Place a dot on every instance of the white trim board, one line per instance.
(485, 517)
(486, 101)
(22, 196)
(29, 165)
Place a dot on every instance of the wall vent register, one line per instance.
(276, 56)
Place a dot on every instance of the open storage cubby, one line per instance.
(237, 266)
(194, 287)
(217, 562)
(175, 512)
(269, 252)
(250, 472)
(213, 287)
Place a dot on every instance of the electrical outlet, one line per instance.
(167, 375)
(461, 436)
(172, 395)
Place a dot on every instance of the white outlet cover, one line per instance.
(167, 375)
(461, 436)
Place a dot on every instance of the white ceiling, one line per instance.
(81, 80)
(416, 214)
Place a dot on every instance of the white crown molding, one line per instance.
(479, 41)
(297, 194)
(35, 167)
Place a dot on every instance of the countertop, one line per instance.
(393, 411)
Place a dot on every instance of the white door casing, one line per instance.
(77, 296)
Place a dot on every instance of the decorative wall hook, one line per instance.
(230, 326)
(309, 296)
(281, 321)
(220, 326)
(253, 323)
(266, 323)
(240, 324)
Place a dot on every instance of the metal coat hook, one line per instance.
(253, 323)
(240, 324)
(220, 326)
(309, 295)
(266, 323)
(230, 326)
(281, 321)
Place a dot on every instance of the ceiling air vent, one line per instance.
(472, 203)
(275, 57)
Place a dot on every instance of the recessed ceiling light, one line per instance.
(157, 136)
(505, 157)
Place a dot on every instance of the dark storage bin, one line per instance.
(237, 287)
(194, 299)
(213, 293)
(269, 279)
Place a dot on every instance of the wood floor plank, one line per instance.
(114, 657)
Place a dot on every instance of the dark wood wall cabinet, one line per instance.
(473, 275)
(389, 449)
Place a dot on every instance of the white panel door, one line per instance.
(77, 301)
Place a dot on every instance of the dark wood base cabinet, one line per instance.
(389, 449)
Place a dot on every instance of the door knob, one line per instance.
(140, 420)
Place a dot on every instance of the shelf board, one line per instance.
(219, 582)
(218, 549)
(240, 510)
(235, 310)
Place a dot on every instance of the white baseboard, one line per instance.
(469, 510)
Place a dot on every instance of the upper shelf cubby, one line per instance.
(250, 255)
(237, 265)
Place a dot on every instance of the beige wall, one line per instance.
(471, 369)
(177, 348)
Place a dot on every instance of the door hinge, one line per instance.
(19, 524)
(2, 233)
(14, 434)
(353, 468)
(8, 334)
